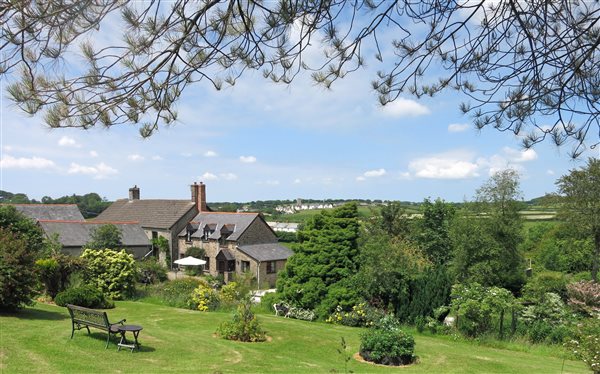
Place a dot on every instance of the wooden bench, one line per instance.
(84, 317)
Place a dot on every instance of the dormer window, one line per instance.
(188, 236)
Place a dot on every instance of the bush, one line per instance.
(151, 271)
(544, 282)
(204, 297)
(586, 343)
(585, 297)
(86, 296)
(244, 327)
(114, 273)
(55, 272)
(387, 347)
(360, 315)
(17, 276)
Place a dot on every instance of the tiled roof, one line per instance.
(267, 251)
(77, 234)
(67, 212)
(238, 222)
(160, 214)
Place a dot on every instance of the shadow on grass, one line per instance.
(82, 334)
(32, 314)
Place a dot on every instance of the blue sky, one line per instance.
(259, 141)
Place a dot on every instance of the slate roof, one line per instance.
(65, 212)
(77, 234)
(160, 214)
(267, 251)
(236, 222)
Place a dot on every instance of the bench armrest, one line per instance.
(120, 322)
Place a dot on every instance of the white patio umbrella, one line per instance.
(190, 261)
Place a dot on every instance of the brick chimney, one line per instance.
(134, 193)
(199, 196)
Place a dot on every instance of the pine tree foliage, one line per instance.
(529, 67)
(319, 274)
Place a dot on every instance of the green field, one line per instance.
(36, 340)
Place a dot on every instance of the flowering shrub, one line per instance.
(230, 293)
(205, 297)
(586, 344)
(387, 346)
(360, 315)
(585, 297)
(303, 314)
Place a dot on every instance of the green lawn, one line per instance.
(36, 340)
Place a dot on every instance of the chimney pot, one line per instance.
(134, 193)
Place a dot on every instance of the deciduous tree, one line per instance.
(581, 204)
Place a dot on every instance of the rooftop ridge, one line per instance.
(37, 204)
(91, 222)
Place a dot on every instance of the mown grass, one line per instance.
(37, 340)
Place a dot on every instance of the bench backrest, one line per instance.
(88, 316)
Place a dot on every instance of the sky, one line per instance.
(262, 141)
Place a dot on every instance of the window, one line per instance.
(207, 265)
(188, 236)
(245, 266)
(271, 267)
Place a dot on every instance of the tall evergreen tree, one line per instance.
(319, 274)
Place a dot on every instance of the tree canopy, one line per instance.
(581, 203)
(531, 67)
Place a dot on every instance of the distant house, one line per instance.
(158, 217)
(235, 243)
(73, 235)
(284, 226)
(55, 212)
(74, 231)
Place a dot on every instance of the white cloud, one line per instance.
(157, 158)
(9, 162)
(67, 141)
(404, 175)
(520, 156)
(361, 179)
(452, 165)
(135, 157)
(99, 171)
(228, 176)
(210, 154)
(458, 127)
(374, 173)
(208, 177)
(248, 159)
(297, 181)
(271, 182)
(93, 154)
(550, 172)
(186, 154)
(405, 108)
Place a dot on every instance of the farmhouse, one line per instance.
(158, 217)
(235, 243)
(66, 222)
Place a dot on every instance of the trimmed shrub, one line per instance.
(86, 296)
(244, 327)
(387, 347)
